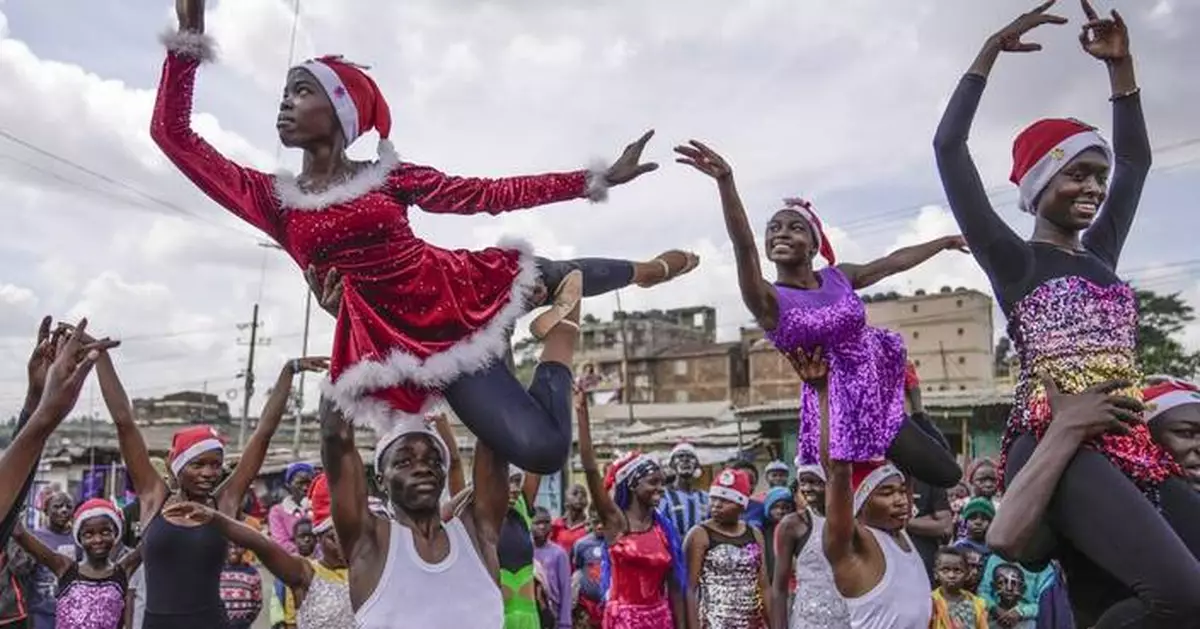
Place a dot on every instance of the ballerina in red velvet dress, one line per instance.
(416, 322)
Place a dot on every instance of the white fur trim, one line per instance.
(366, 180)
(730, 494)
(815, 470)
(597, 182)
(179, 461)
(1168, 401)
(322, 526)
(813, 222)
(335, 89)
(190, 44)
(96, 512)
(872, 482)
(403, 424)
(628, 468)
(682, 448)
(776, 466)
(469, 355)
(1038, 177)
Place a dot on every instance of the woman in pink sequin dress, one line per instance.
(806, 309)
(416, 322)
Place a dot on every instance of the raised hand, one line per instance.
(704, 159)
(1093, 412)
(811, 368)
(74, 356)
(1009, 38)
(328, 291)
(1106, 39)
(309, 363)
(957, 243)
(39, 363)
(189, 514)
(629, 165)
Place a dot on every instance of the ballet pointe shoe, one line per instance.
(566, 298)
(673, 264)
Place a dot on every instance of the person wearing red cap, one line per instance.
(319, 587)
(805, 308)
(643, 569)
(91, 592)
(1071, 318)
(1174, 418)
(415, 322)
(727, 574)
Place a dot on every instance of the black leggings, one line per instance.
(920, 450)
(1127, 564)
(532, 428)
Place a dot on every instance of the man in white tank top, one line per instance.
(876, 568)
(412, 569)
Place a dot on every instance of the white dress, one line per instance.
(818, 605)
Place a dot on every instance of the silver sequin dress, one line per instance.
(818, 605)
(730, 596)
(326, 605)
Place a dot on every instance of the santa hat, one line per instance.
(626, 467)
(815, 470)
(776, 466)
(321, 504)
(911, 379)
(189, 443)
(357, 101)
(96, 508)
(805, 209)
(867, 476)
(683, 447)
(1165, 393)
(404, 425)
(1043, 148)
(732, 485)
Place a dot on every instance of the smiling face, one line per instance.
(790, 240)
(1074, 195)
(200, 477)
(649, 489)
(413, 473)
(59, 509)
(812, 488)
(1178, 431)
(685, 464)
(306, 115)
(777, 478)
(97, 535)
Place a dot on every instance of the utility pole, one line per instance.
(627, 387)
(248, 375)
(300, 391)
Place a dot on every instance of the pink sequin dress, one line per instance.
(87, 603)
(866, 369)
(414, 316)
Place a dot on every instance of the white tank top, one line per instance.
(902, 598)
(456, 593)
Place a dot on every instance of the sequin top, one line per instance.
(641, 563)
(866, 369)
(413, 315)
(818, 604)
(326, 603)
(87, 603)
(730, 592)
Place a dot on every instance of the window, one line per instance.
(681, 367)
(961, 331)
(681, 396)
(641, 380)
(914, 308)
(698, 320)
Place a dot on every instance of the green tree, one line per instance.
(1161, 319)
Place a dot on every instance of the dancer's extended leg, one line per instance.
(917, 452)
(604, 275)
(528, 428)
(1103, 516)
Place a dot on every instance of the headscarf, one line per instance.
(622, 476)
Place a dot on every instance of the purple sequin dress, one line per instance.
(87, 603)
(866, 369)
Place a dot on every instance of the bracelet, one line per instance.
(294, 365)
(1125, 94)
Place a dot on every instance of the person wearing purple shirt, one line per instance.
(555, 566)
(59, 509)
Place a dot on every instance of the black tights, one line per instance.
(1127, 564)
(920, 450)
(532, 428)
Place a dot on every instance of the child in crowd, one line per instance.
(552, 563)
(1035, 585)
(974, 568)
(977, 516)
(241, 589)
(1008, 582)
(954, 607)
(586, 559)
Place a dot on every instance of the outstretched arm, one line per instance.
(148, 485)
(758, 294)
(610, 514)
(787, 536)
(456, 478)
(247, 193)
(347, 480)
(1108, 41)
(898, 261)
(41, 553)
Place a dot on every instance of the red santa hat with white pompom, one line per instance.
(189, 443)
(357, 100)
(804, 208)
(732, 485)
(96, 508)
(1164, 393)
(1043, 149)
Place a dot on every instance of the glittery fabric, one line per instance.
(729, 589)
(85, 603)
(866, 369)
(414, 316)
(637, 598)
(326, 603)
(1081, 334)
(818, 605)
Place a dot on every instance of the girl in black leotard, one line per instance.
(1072, 320)
(183, 561)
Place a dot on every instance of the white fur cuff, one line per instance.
(597, 182)
(190, 44)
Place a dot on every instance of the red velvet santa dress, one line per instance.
(414, 316)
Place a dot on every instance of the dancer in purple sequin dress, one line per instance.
(807, 310)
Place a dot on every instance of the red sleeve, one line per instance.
(439, 193)
(247, 193)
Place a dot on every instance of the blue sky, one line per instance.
(834, 101)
